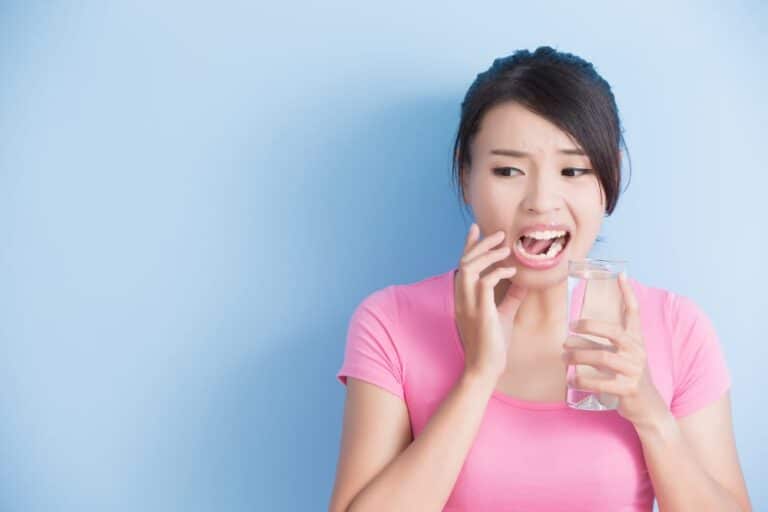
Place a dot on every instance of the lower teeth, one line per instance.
(553, 251)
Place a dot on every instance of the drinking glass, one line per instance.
(593, 292)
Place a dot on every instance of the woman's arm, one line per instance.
(693, 462)
(420, 477)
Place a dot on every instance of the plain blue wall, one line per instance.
(194, 197)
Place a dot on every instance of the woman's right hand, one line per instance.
(485, 329)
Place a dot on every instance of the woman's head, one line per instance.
(536, 104)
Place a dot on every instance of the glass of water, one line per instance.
(593, 292)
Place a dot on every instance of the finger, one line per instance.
(484, 260)
(631, 308)
(597, 385)
(465, 282)
(489, 282)
(483, 246)
(472, 271)
(601, 359)
(466, 294)
(511, 301)
(614, 333)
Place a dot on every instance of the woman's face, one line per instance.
(512, 192)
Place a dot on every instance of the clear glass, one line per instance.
(593, 292)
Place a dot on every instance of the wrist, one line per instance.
(483, 380)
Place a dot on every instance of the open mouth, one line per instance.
(542, 249)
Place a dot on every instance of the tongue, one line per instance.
(534, 246)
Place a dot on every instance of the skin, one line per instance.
(537, 189)
(692, 461)
(507, 193)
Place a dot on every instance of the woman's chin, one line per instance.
(538, 281)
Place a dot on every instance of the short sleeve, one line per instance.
(371, 353)
(700, 368)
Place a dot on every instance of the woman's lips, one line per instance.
(539, 264)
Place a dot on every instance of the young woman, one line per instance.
(456, 383)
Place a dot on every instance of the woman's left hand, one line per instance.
(640, 401)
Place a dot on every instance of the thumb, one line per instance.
(512, 299)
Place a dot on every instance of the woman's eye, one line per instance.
(506, 171)
(500, 170)
(582, 171)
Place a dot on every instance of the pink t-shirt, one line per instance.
(527, 455)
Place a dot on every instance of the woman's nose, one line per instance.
(543, 195)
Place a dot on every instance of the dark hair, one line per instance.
(564, 89)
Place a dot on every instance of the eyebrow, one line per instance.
(522, 154)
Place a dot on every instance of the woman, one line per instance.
(456, 383)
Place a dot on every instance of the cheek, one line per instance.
(589, 221)
(497, 204)
(588, 204)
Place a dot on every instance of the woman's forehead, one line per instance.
(511, 126)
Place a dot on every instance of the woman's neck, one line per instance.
(542, 309)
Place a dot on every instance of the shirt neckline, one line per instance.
(456, 343)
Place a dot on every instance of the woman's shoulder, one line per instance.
(663, 303)
(389, 329)
(400, 299)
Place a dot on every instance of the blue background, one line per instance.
(195, 196)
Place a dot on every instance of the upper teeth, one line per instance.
(545, 235)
